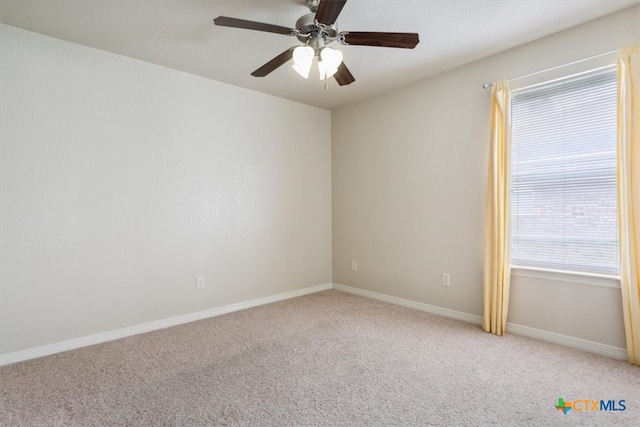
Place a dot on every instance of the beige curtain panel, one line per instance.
(497, 264)
(629, 194)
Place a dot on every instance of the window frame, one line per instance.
(548, 273)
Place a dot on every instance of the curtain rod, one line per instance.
(488, 85)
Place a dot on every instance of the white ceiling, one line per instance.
(180, 34)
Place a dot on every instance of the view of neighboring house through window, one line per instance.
(563, 177)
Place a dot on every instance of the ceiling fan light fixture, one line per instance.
(302, 69)
(332, 57)
(302, 60)
(315, 30)
(331, 60)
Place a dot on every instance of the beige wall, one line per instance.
(409, 174)
(122, 181)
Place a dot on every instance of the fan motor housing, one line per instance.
(307, 26)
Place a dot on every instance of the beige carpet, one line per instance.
(328, 359)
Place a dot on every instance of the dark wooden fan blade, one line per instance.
(363, 38)
(225, 21)
(274, 63)
(343, 76)
(328, 11)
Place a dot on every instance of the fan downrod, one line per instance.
(313, 5)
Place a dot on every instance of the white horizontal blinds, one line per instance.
(564, 197)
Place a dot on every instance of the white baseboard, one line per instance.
(45, 350)
(453, 314)
(578, 343)
(32, 353)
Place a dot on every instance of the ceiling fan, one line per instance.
(316, 30)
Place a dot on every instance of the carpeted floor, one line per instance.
(327, 359)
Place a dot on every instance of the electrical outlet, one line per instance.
(446, 279)
(199, 282)
(354, 266)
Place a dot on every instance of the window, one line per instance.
(563, 183)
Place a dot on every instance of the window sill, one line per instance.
(567, 276)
